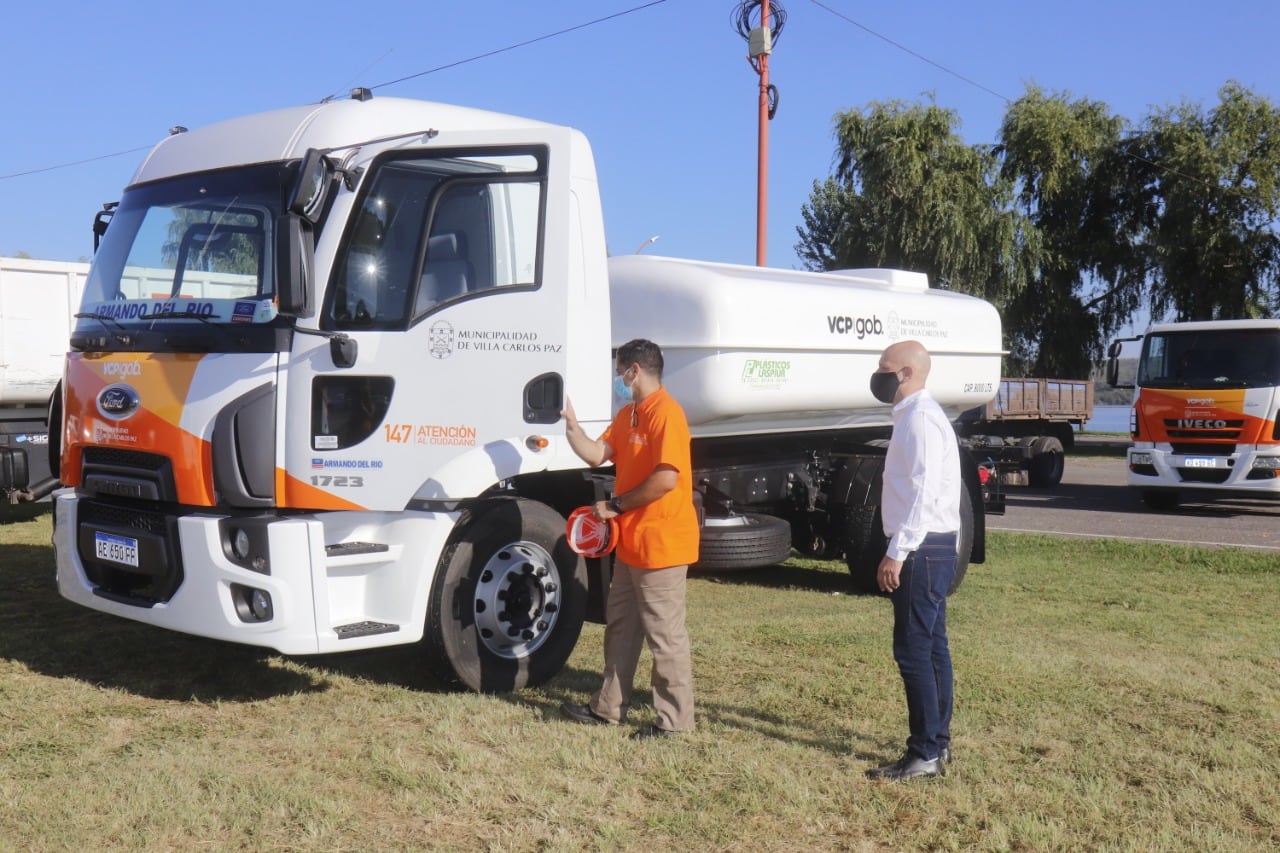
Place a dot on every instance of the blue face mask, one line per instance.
(621, 392)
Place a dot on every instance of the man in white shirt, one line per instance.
(920, 506)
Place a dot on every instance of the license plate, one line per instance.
(116, 549)
(1200, 462)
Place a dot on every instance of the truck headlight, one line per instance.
(240, 543)
(1139, 458)
(252, 604)
(1266, 463)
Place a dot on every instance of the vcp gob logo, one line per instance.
(118, 401)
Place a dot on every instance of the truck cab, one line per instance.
(1206, 412)
(287, 316)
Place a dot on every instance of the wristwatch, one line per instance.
(615, 504)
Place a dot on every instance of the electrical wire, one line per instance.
(76, 163)
(525, 43)
(1168, 170)
(740, 18)
(906, 49)
(378, 86)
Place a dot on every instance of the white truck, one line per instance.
(1206, 413)
(37, 299)
(353, 438)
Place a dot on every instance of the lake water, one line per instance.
(1109, 419)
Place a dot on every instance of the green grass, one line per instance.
(1111, 696)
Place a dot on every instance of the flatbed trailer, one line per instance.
(1028, 427)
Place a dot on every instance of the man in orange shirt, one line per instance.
(658, 533)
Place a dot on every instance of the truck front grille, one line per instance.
(1181, 428)
(159, 571)
(1184, 448)
(1204, 475)
(115, 472)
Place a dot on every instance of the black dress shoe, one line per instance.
(583, 714)
(652, 733)
(907, 767)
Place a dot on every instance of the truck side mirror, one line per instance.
(311, 187)
(295, 260)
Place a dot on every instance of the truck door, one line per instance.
(455, 296)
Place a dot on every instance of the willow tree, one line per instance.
(1075, 187)
(908, 192)
(1212, 184)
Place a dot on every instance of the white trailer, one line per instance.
(357, 442)
(37, 300)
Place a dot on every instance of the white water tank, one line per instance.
(753, 349)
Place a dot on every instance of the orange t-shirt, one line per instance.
(643, 435)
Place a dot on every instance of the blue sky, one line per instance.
(664, 93)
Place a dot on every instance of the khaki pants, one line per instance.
(647, 605)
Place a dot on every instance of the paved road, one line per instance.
(1093, 501)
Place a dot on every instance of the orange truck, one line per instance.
(1206, 410)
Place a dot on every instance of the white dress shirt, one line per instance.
(922, 487)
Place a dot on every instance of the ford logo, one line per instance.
(118, 401)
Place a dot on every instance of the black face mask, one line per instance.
(884, 386)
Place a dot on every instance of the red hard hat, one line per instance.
(591, 536)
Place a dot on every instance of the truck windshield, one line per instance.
(193, 252)
(1218, 358)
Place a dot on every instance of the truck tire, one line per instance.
(743, 541)
(508, 600)
(1048, 461)
(1162, 501)
(866, 545)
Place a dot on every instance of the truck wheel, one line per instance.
(866, 545)
(1048, 461)
(1160, 500)
(743, 541)
(508, 600)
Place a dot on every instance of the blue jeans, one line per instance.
(920, 642)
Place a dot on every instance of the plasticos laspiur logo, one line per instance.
(118, 402)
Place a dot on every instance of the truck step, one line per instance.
(343, 549)
(364, 629)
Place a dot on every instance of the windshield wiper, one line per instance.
(119, 333)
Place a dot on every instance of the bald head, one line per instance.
(910, 361)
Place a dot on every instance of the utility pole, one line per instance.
(760, 41)
(762, 167)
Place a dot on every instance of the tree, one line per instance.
(907, 192)
(1212, 190)
(1071, 183)
(1069, 224)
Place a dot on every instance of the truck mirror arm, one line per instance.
(343, 349)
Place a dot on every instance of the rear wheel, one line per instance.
(1048, 462)
(743, 541)
(508, 600)
(866, 544)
